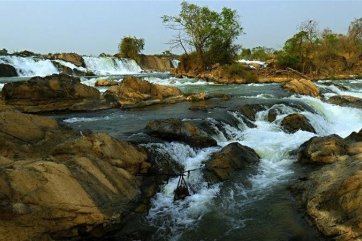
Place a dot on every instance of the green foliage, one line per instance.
(237, 70)
(130, 47)
(257, 53)
(207, 33)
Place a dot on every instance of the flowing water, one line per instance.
(262, 209)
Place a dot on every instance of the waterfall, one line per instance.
(111, 66)
(30, 66)
(34, 66)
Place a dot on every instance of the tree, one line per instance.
(130, 47)
(210, 34)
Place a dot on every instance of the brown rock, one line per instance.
(233, 157)
(60, 183)
(51, 93)
(134, 92)
(294, 122)
(7, 71)
(105, 82)
(152, 62)
(346, 100)
(73, 58)
(272, 115)
(249, 111)
(323, 150)
(302, 87)
(177, 130)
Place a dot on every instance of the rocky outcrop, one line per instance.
(177, 130)
(294, 122)
(58, 184)
(105, 82)
(73, 58)
(52, 93)
(153, 62)
(331, 195)
(323, 150)
(346, 100)
(249, 111)
(229, 160)
(7, 71)
(133, 92)
(302, 87)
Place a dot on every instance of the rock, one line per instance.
(302, 87)
(62, 184)
(294, 122)
(133, 92)
(52, 93)
(105, 82)
(177, 130)
(346, 100)
(233, 157)
(26, 53)
(332, 198)
(332, 195)
(249, 111)
(7, 71)
(73, 58)
(153, 62)
(197, 97)
(323, 150)
(272, 115)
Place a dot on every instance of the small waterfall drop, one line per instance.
(30, 66)
(111, 66)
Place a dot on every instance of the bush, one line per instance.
(130, 47)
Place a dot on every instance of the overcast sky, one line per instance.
(94, 27)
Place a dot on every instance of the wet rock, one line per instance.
(63, 184)
(272, 115)
(105, 82)
(152, 62)
(355, 136)
(230, 159)
(73, 58)
(133, 92)
(294, 122)
(177, 130)
(323, 150)
(7, 71)
(249, 111)
(339, 86)
(302, 87)
(52, 93)
(346, 100)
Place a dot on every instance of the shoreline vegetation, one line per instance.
(57, 183)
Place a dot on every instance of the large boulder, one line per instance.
(332, 195)
(7, 71)
(133, 92)
(294, 122)
(323, 150)
(51, 93)
(58, 184)
(346, 100)
(177, 130)
(73, 58)
(230, 159)
(302, 87)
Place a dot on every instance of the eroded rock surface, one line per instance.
(302, 87)
(294, 122)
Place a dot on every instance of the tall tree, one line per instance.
(130, 47)
(205, 31)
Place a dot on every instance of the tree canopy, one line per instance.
(130, 47)
(209, 34)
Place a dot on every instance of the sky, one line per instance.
(94, 27)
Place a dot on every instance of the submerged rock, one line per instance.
(133, 92)
(177, 130)
(302, 87)
(331, 195)
(294, 122)
(272, 115)
(249, 111)
(7, 71)
(57, 183)
(346, 100)
(52, 93)
(230, 159)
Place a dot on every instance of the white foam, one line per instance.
(111, 66)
